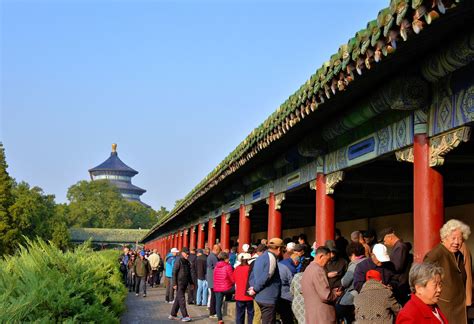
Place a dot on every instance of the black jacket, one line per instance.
(182, 272)
(192, 260)
(201, 267)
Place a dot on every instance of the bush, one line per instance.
(43, 284)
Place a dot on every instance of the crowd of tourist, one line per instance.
(290, 281)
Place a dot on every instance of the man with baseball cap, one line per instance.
(265, 281)
(380, 261)
(181, 279)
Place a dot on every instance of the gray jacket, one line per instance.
(348, 283)
(211, 264)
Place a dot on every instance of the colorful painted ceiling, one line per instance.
(393, 26)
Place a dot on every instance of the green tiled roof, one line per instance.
(395, 24)
(107, 235)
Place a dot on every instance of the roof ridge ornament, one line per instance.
(114, 148)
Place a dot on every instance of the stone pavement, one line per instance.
(154, 309)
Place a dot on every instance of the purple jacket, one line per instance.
(386, 270)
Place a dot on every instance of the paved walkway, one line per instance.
(154, 309)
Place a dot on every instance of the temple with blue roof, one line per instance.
(118, 174)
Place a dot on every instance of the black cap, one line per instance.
(185, 250)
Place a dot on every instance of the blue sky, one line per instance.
(176, 84)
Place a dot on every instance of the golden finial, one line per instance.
(114, 148)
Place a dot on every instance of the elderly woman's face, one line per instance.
(431, 292)
(453, 241)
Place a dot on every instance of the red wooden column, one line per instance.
(324, 212)
(185, 238)
(274, 215)
(428, 204)
(175, 240)
(225, 231)
(244, 225)
(168, 244)
(211, 233)
(180, 240)
(201, 238)
(192, 241)
(165, 246)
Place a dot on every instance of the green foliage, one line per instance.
(60, 236)
(141, 216)
(6, 200)
(106, 235)
(32, 211)
(43, 284)
(96, 204)
(99, 204)
(30, 215)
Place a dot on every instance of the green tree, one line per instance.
(99, 204)
(96, 204)
(162, 212)
(141, 216)
(7, 232)
(32, 212)
(60, 234)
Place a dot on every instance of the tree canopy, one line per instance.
(27, 212)
(99, 204)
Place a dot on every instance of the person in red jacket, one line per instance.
(223, 281)
(425, 284)
(243, 301)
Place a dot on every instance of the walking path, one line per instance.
(154, 309)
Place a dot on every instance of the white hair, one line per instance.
(453, 225)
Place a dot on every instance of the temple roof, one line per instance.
(113, 163)
(126, 186)
(402, 23)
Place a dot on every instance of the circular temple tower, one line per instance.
(118, 174)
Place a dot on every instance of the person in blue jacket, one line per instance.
(287, 268)
(264, 281)
(170, 259)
